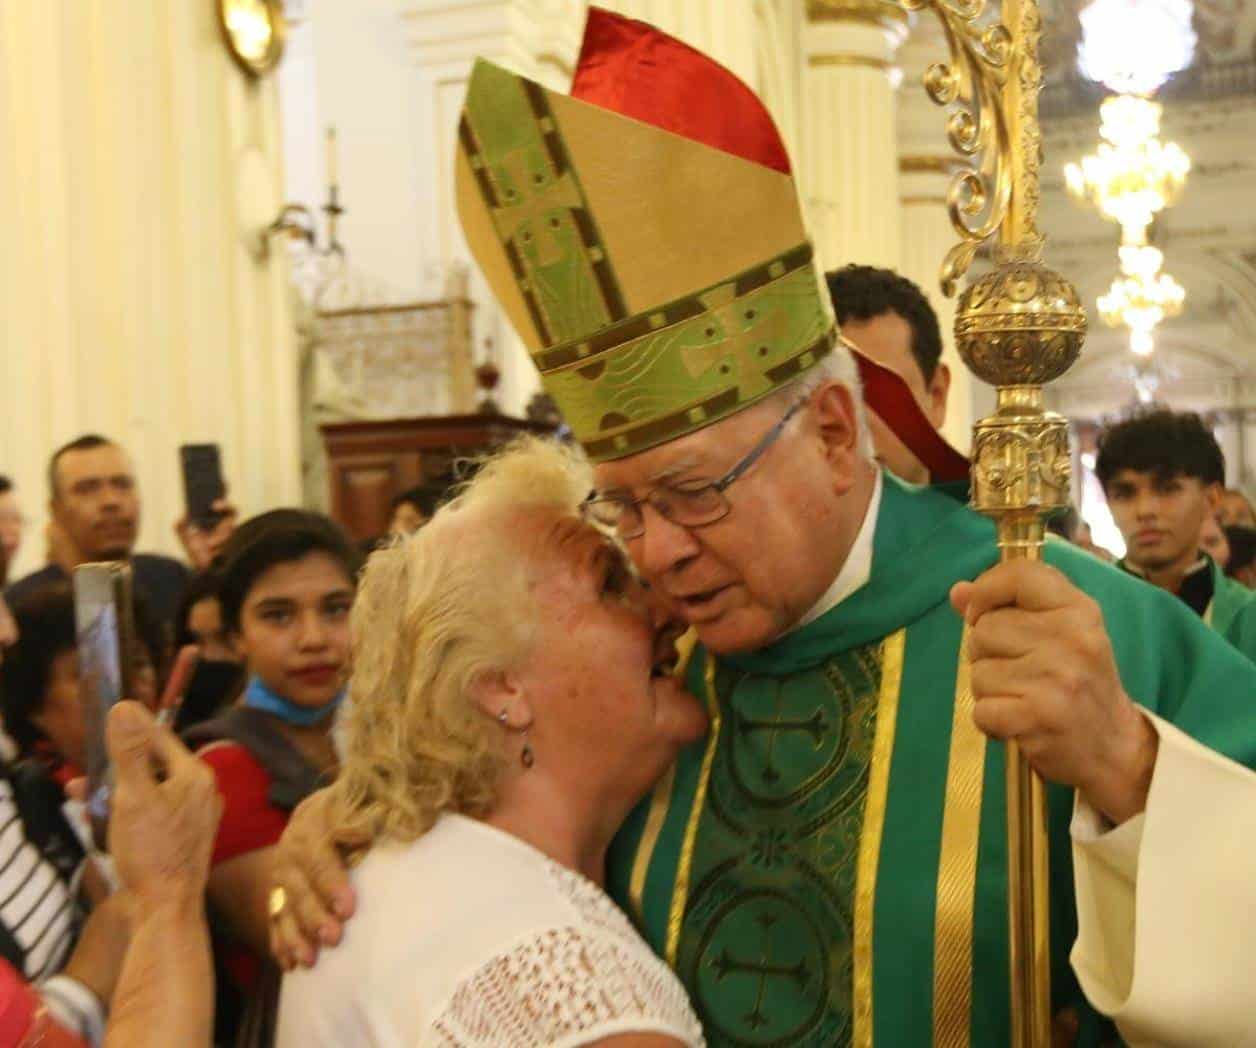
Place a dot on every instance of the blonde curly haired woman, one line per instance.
(510, 706)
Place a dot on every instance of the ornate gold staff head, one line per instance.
(1019, 327)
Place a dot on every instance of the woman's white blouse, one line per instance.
(471, 937)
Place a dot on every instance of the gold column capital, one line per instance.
(884, 13)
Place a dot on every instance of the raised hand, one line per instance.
(202, 546)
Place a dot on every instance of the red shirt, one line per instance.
(249, 822)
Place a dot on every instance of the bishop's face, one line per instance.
(745, 579)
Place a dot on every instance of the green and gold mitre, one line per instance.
(660, 284)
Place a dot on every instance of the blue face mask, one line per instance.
(259, 697)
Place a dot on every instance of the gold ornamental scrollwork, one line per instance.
(991, 63)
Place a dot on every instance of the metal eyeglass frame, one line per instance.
(721, 485)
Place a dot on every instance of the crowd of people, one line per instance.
(505, 733)
(264, 606)
(675, 738)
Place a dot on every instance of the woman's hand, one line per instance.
(310, 871)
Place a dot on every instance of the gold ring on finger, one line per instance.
(278, 902)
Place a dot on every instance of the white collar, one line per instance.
(857, 570)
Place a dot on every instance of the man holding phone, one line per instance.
(95, 506)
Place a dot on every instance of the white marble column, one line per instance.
(849, 170)
(138, 164)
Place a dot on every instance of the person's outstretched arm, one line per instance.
(165, 813)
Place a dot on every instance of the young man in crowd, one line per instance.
(889, 319)
(1162, 472)
(94, 503)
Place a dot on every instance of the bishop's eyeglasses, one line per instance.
(691, 505)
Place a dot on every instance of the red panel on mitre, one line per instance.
(634, 69)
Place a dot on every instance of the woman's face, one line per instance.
(604, 708)
(205, 626)
(294, 629)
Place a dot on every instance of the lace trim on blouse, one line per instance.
(568, 985)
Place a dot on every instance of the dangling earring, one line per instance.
(501, 718)
(527, 756)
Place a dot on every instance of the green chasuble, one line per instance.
(1232, 612)
(829, 866)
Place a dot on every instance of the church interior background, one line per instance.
(141, 294)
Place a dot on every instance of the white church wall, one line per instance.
(349, 67)
(141, 161)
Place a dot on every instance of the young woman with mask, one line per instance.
(218, 677)
(285, 585)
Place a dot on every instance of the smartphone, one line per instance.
(105, 627)
(202, 482)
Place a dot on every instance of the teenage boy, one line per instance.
(1162, 473)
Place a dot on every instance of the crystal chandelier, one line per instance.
(1133, 47)
(1133, 175)
(1142, 297)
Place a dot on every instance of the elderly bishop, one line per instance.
(829, 866)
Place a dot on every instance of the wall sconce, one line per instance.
(297, 221)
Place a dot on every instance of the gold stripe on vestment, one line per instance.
(660, 801)
(659, 804)
(870, 836)
(680, 894)
(957, 868)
